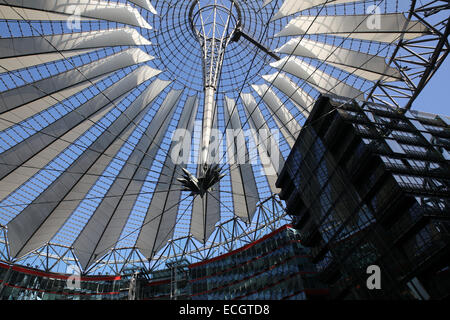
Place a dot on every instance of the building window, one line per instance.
(403, 134)
(392, 161)
(412, 148)
(404, 180)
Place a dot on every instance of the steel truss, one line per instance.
(417, 60)
(229, 235)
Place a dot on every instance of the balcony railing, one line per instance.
(412, 222)
(424, 189)
(439, 242)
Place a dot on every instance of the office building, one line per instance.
(367, 185)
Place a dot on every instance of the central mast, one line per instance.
(214, 23)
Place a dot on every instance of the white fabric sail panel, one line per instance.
(87, 246)
(245, 192)
(9, 119)
(270, 156)
(102, 10)
(286, 134)
(145, 4)
(165, 198)
(26, 149)
(301, 99)
(287, 124)
(205, 215)
(274, 103)
(290, 7)
(46, 227)
(29, 92)
(167, 225)
(258, 123)
(243, 184)
(23, 173)
(13, 64)
(324, 82)
(23, 226)
(134, 188)
(61, 213)
(164, 206)
(23, 46)
(362, 64)
(104, 229)
(391, 28)
(16, 13)
(130, 195)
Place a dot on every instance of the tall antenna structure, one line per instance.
(214, 25)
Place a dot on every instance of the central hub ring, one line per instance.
(181, 51)
(214, 21)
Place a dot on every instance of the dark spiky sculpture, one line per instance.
(211, 175)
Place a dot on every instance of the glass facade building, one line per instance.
(274, 267)
(22, 283)
(367, 185)
(171, 283)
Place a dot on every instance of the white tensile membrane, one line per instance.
(308, 47)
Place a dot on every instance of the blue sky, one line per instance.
(435, 98)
